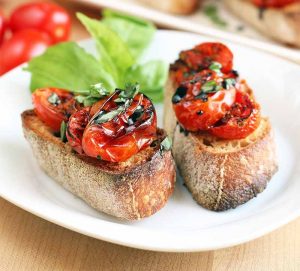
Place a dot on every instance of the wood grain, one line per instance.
(31, 243)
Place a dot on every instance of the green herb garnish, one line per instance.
(63, 130)
(166, 144)
(210, 87)
(120, 41)
(89, 96)
(216, 67)
(228, 83)
(54, 99)
(211, 11)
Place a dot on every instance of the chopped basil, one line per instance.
(210, 87)
(105, 117)
(99, 157)
(137, 114)
(216, 67)
(90, 96)
(130, 91)
(54, 99)
(166, 144)
(63, 129)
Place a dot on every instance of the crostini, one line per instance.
(109, 152)
(223, 147)
(279, 19)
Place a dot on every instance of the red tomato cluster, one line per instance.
(273, 3)
(109, 130)
(209, 97)
(33, 27)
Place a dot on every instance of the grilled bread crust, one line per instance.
(173, 6)
(281, 24)
(221, 174)
(128, 190)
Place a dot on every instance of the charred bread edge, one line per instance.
(130, 190)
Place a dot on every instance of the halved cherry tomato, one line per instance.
(53, 105)
(2, 26)
(117, 138)
(76, 126)
(196, 110)
(273, 3)
(202, 56)
(240, 121)
(21, 47)
(46, 17)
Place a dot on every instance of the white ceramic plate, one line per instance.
(182, 225)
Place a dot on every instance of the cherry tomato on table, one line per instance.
(273, 3)
(53, 105)
(46, 17)
(21, 47)
(116, 135)
(2, 26)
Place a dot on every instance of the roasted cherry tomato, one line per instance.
(273, 3)
(47, 17)
(120, 129)
(21, 47)
(242, 119)
(202, 56)
(201, 102)
(2, 26)
(76, 126)
(53, 105)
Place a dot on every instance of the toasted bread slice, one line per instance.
(129, 190)
(221, 174)
(282, 24)
(173, 6)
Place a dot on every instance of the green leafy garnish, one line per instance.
(90, 96)
(54, 99)
(216, 67)
(105, 117)
(210, 87)
(166, 144)
(63, 129)
(212, 12)
(120, 41)
(67, 66)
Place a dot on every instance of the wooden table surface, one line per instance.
(28, 242)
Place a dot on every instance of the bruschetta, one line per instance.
(109, 153)
(278, 19)
(223, 147)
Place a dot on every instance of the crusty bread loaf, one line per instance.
(282, 24)
(221, 174)
(173, 6)
(129, 190)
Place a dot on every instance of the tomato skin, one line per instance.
(51, 114)
(194, 113)
(202, 56)
(46, 17)
(243, 120)
(2, 26)
(273, 3)
(118, 139)
(76, 126)
(21, 47)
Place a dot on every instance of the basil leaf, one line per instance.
(67, 66)
(54, 99)
(134, 32)
(216, 67)
(210, 87)
(63, 129)
(166, 144)
(108, 116)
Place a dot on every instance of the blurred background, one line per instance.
(270, 25)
